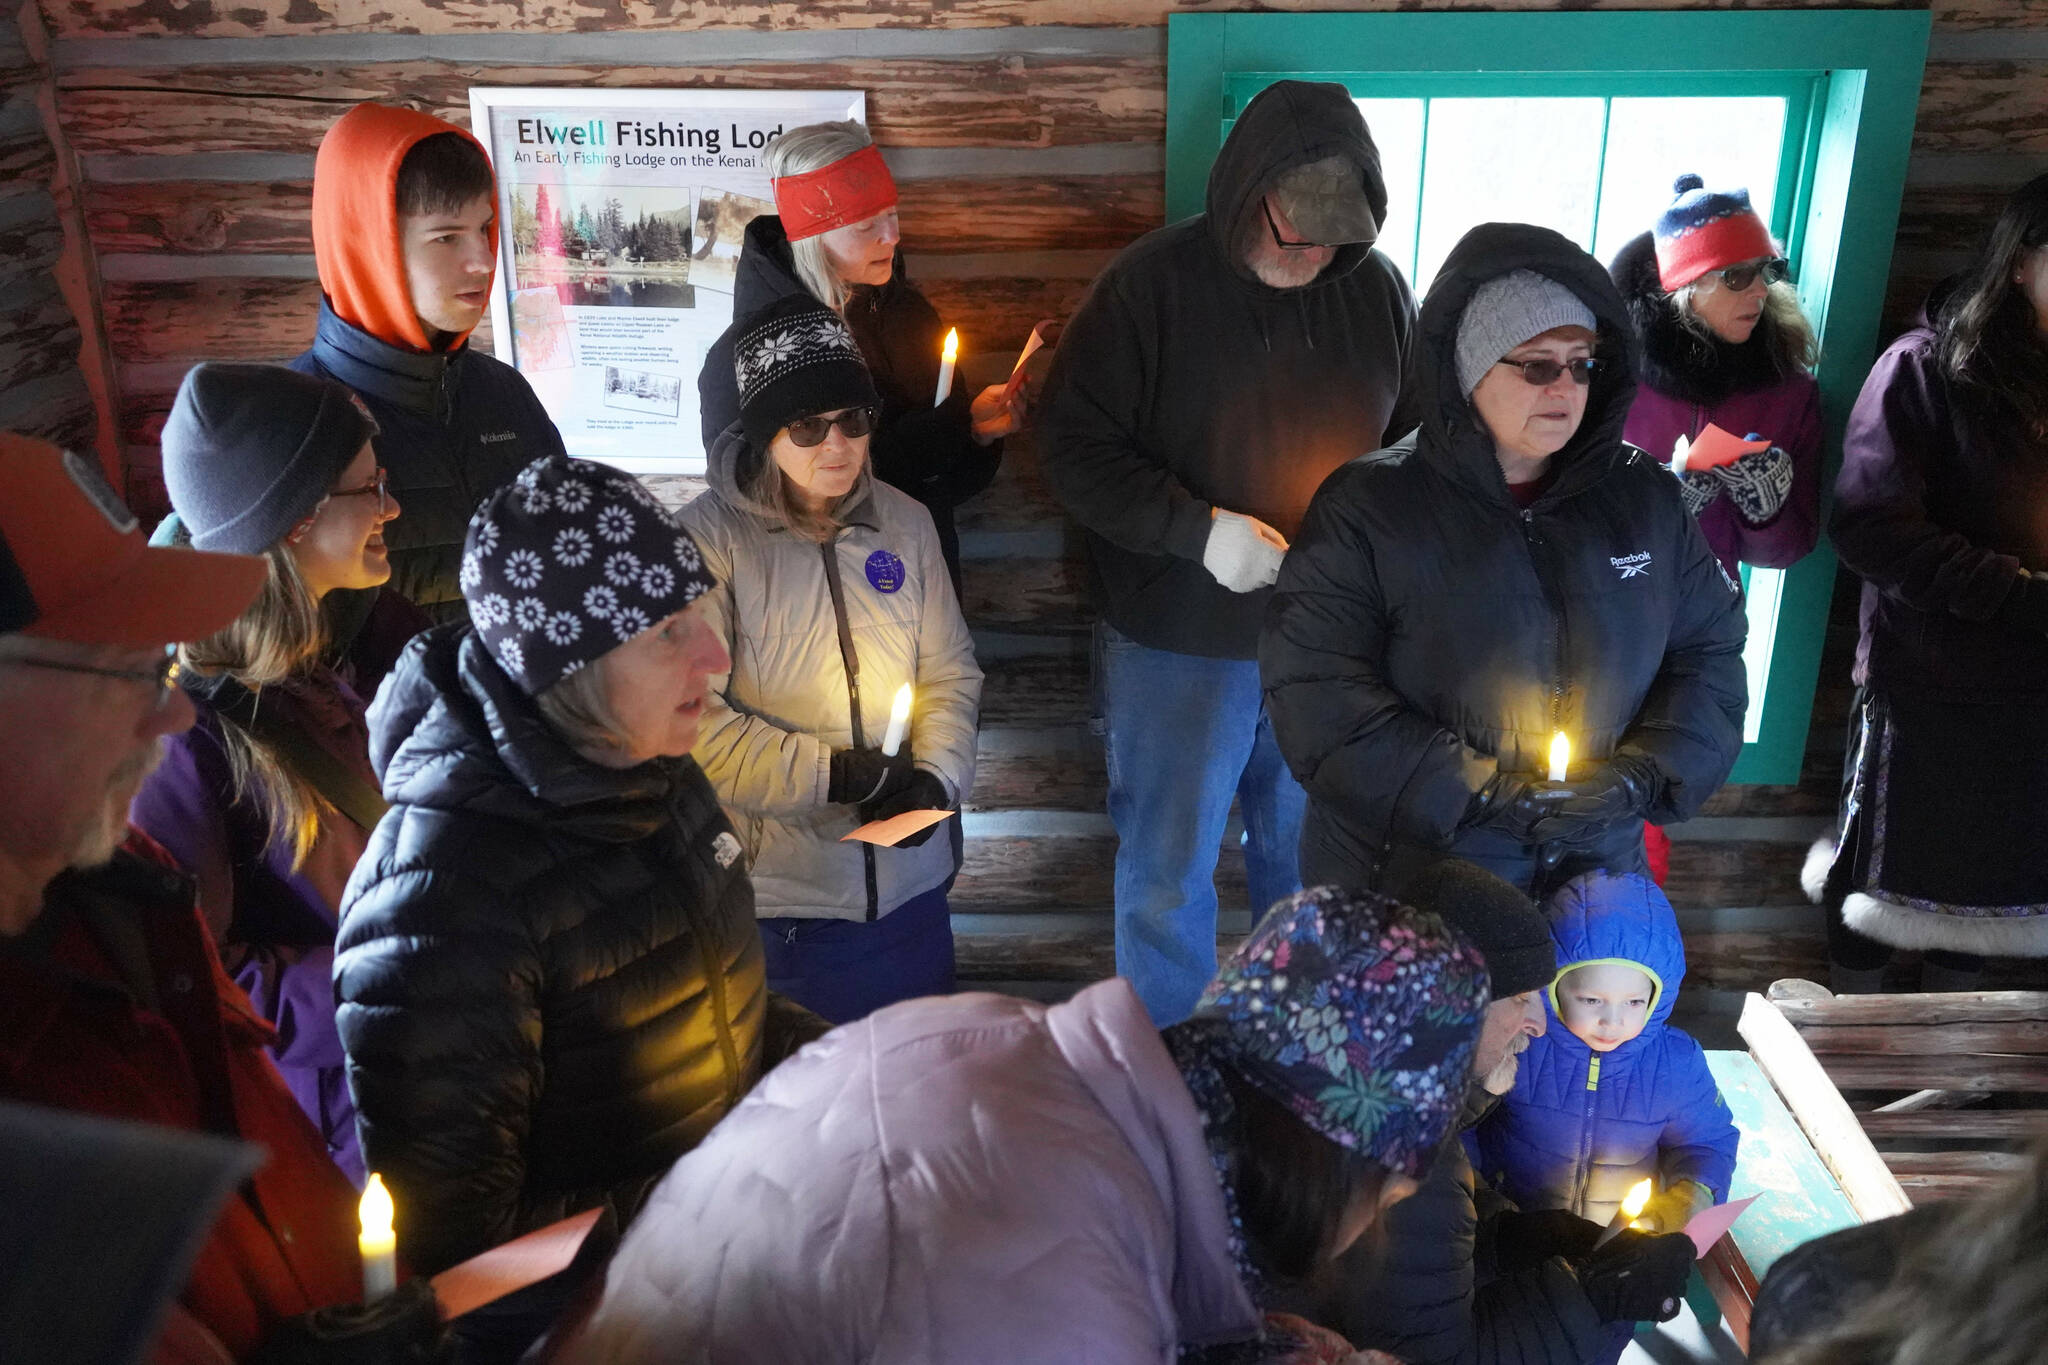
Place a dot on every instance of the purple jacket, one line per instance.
(1789, 414)
(973, 1178)
(1938, 516)
(1690, 379)
(274, 926)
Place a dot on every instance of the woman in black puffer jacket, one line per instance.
(1512, 570)
(550, 982)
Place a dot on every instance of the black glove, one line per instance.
(1521, 1240)
(1581, 812)
(860, 776)
(402, 1328)
(1758, 484)
(925, 792)
(1511, 804)
(2026, 604)
(1639, 1277)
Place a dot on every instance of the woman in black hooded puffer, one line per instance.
(1434, 625)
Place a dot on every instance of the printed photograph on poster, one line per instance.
(624, 214)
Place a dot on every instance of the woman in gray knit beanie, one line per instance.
(1511, 572)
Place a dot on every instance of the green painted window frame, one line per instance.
(1838, 201)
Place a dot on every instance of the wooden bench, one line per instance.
(1947, 1088)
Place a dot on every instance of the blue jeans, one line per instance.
(844, 969)
(1184, 734)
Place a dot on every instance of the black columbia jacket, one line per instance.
(1183, 384)
(1426, 633)
(549, 978)
(453, 426)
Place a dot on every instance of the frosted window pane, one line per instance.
(1396, 127)
(1652, 141)
(1507, 160)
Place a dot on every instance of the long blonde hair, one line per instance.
(812, 147)
(279, 636)
(1787, 331)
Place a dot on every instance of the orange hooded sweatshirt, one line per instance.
(356, 241)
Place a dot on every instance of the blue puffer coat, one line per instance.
(1579, 1129)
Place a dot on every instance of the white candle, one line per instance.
(378, 1243)
(946, 359)
(899, 721)
(1560, 756)
(1631, 1208)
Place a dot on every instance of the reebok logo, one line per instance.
(1636, 565)
(493, 437)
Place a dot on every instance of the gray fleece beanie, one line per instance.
(250, 450)
(1508, 310)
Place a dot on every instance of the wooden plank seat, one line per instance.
(1973, 1067)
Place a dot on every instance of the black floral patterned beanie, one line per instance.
(568, 562)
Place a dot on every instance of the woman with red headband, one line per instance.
(834, 237)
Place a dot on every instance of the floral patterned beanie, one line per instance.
(1355, 1012)
(568, 562)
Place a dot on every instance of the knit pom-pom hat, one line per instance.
(1706, 230)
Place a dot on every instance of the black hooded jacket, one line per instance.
(453, 427)
(929, 453)
(549, 978)
(1426, 633)
(1183, 384)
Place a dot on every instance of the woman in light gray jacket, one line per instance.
(832, 593)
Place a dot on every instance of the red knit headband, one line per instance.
(852, 189)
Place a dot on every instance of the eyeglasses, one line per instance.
(1274, 228)
(1546, 370)
(1737, 278)
(163, 677)
(811, 431)
(379, 484)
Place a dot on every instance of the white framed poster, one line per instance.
(619, 222)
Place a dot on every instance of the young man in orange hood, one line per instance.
(405, 232)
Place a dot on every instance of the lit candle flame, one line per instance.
(1638, 1196)
(1560, 759)
(375, 1212)
(952, 351)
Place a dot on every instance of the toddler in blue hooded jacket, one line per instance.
(1612, 1093)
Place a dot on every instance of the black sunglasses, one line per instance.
(811, 431)
(1546, 371)
(1740, 277)
(1274, 228)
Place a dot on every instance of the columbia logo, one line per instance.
(493, 437)
(1636, 565)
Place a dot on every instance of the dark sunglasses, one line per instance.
(1546, 371)
(1274, 228)
(1740, 277)
(811, 431)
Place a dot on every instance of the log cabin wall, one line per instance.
(44, 390)
(1027, 136)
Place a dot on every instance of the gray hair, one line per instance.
(579, 710)
(812, 147)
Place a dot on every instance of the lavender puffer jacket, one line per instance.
(973, 1178)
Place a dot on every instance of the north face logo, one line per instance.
(725, 848)
(1636, 565)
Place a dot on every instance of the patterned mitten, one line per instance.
(1698, 487)
(1758, 484)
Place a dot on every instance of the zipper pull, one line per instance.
(1593, 1073)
